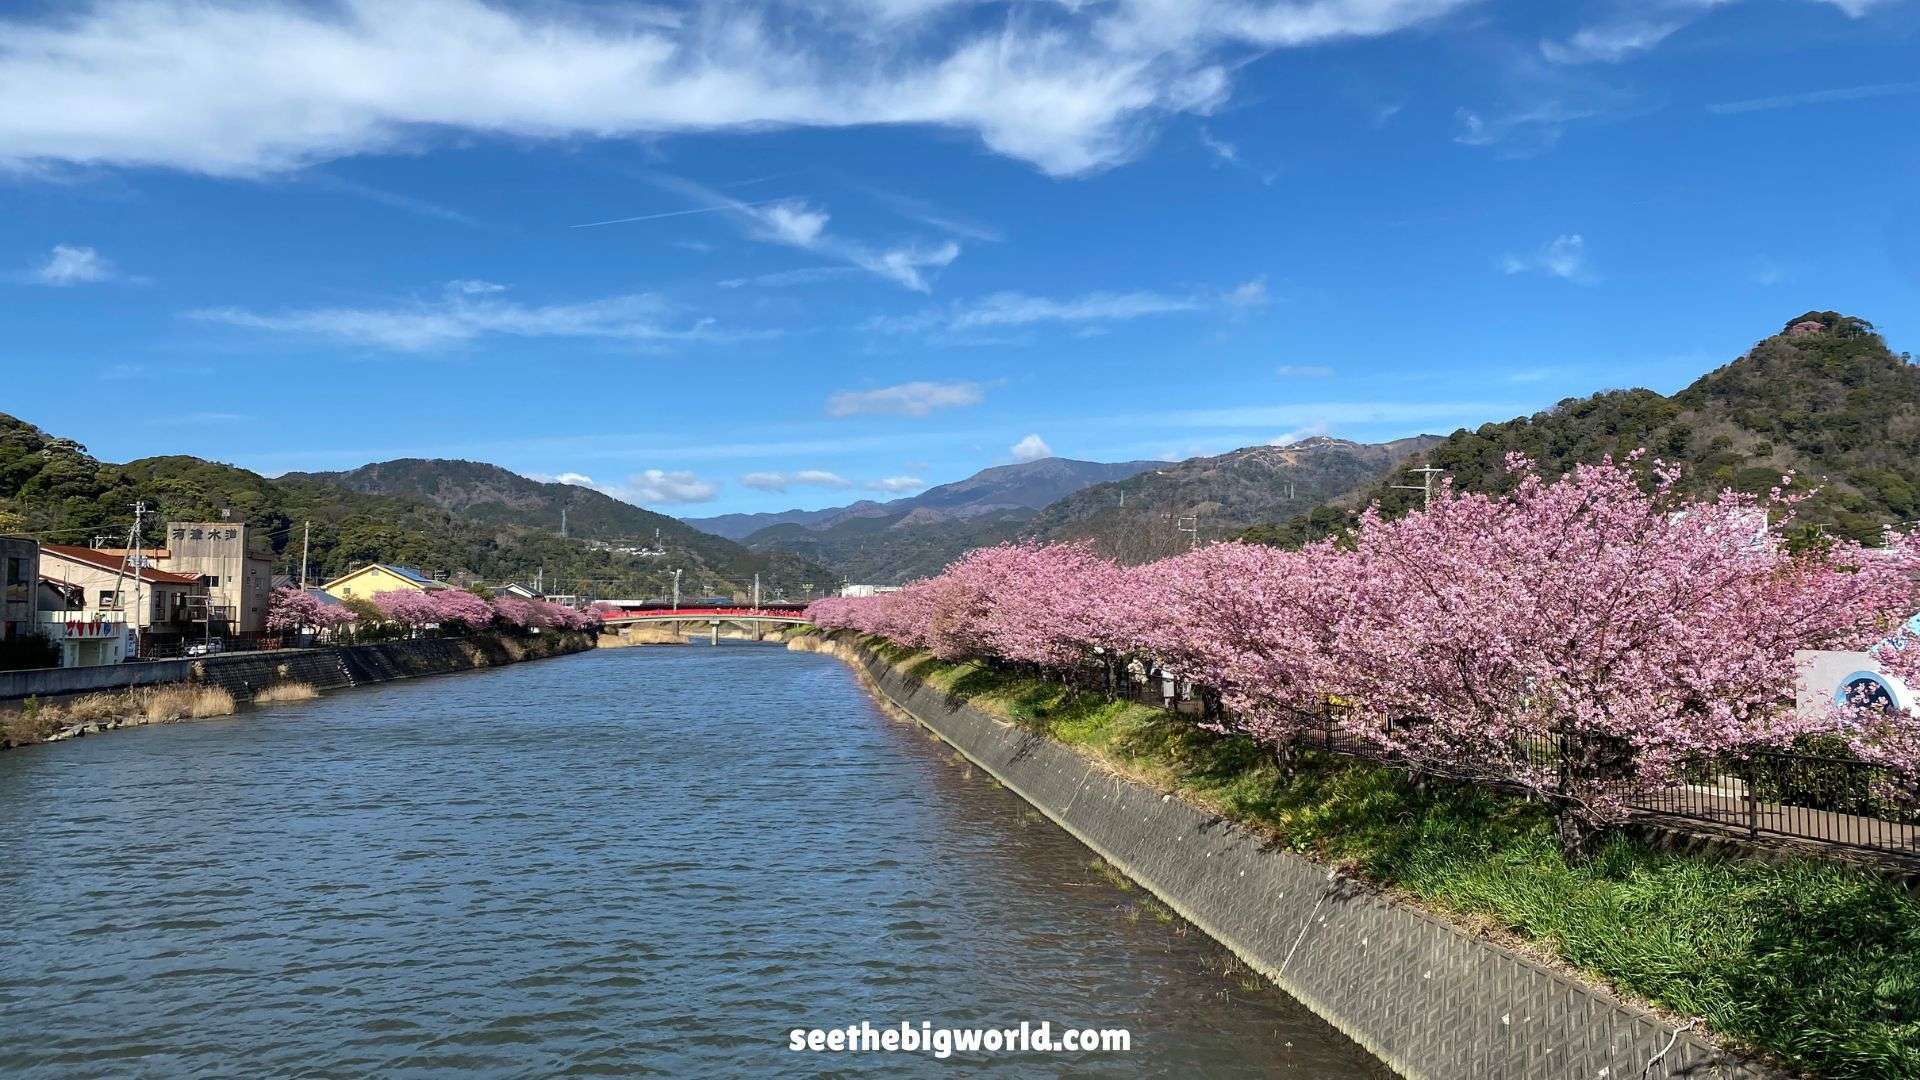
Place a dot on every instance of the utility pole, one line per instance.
(756, 590)
(134, 560)
(1427, 473)
(306, 534)
(676, 590)
(563, 523)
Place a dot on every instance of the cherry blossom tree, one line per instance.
(409, 608)
(294, 611)
(1583, 637)
(458, 607)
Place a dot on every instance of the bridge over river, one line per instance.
(691, 620)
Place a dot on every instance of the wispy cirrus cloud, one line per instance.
(260, 88)
(1635, 26)
(1013, 310)
(793, 221)
(468, 311)
(1564, 257)
(897, 485)
(906, 399)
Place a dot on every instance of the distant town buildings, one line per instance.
(855, 591)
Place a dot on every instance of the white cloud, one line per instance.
(820, 478)
(662, 486)
(1220, 148)
(1564, 256)
(1610, 42)
(1031, 448)
(474, 287)
(249, 89)
(1303, 371)
(793, 222)
(1004, 310)
(779, 481)
(905, 399)
(463, 315)
(71, 265)
(575, 479)
(897, 485)
(1249, 293)
(1308, 431)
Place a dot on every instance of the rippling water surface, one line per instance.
(630, 862)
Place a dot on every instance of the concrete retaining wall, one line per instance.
(1419, 994)
(243, 674)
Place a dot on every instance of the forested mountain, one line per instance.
(52, 488)
(1824, 399)
(1027, 485)
(893, 542)
(492, 496)
(1139, 518)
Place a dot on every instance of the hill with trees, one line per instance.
(888, 543)
(52, 488)
(1824, 399)
(1139, 518)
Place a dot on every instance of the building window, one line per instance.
(16, 570)
(211, 581)
(108, 598)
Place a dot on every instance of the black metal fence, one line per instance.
(1814, 798)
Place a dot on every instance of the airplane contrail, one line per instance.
(676, 213)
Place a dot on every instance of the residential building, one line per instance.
(20, 564)
(239, 580)
(375, 578)
(158, 606)
(862, 591)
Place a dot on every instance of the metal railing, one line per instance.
(1813, 798)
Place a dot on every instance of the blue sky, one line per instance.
(747, 257)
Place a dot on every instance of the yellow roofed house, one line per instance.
(375, 578)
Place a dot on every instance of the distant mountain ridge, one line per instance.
(1027, 485)
(1141, 517)
(51, 487)
(490, 495)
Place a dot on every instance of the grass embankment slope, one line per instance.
(1816, 962)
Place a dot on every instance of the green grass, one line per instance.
(1816, 962)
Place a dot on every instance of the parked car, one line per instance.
(206, 648)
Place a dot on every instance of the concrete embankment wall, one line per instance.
(333, 668)
(1420, 994)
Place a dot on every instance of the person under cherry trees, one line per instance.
(1583, 637)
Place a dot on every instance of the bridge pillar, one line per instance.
(714, 629)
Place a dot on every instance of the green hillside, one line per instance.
(1824, 399)
(52, 488)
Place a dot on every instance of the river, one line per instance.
(627, 862)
